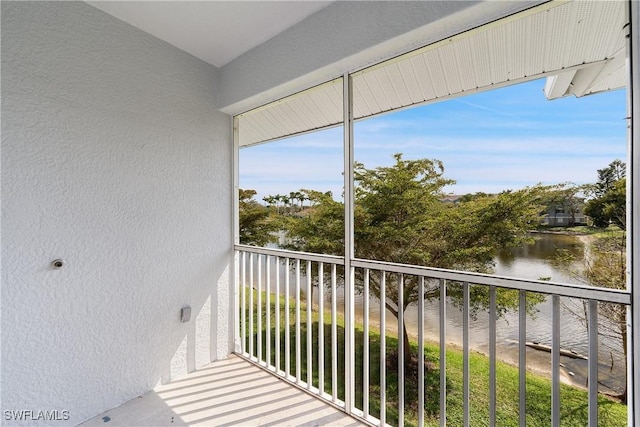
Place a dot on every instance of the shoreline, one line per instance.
(542, 369)
(559, 232)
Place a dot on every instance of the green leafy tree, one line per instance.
(256, 226)
(400, 218)
(293, 196)
(320, 231)
(608, 206)
(270, 200)
(298, 196)
(615, 203)
(608, 176)
(285, 200)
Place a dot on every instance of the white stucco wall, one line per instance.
(345, 36)
(115, 159)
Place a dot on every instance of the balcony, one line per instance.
(120, 155)
(227, 392)
(281, 334)
(271, 380)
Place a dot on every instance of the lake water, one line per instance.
(530, 262)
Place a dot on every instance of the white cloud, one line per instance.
(507, 138)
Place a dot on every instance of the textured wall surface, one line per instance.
(345, 36)
(115, 159)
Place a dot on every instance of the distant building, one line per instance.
(565, 214)
(451, 198)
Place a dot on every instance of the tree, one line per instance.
(603, 265)
(293, 196)
(607, 177)
(270, 200)
(314, 196)
(608, 206)
(256, 226)
(615, 204)
(302, 197)
(569, 197)
(400, 218)
(298, 196)
(320, 231)
(285, 203)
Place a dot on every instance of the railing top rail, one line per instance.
(282, 253)
(553, 288)
(540, 286)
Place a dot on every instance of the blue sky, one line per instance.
(502, 139)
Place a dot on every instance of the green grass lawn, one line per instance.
(573, 401)
(611, 231)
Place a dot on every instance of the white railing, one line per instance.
(303, 342)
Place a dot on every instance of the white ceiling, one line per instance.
(214, 31)
(579, 46)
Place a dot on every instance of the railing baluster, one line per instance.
(321, 328)
(237, 287)
(298, 351)
(251, 307)
(465, 353)
(443, 353)
(259, 334)
(492, 355)
(287, 320)
(309, 328)
(383, 348)
(365, 356)
(269, 332)
(555, 361)
(593, 363)
(243, 265)
(421, 352)
(522, 358)
(277, 320)
(268, 307)
(400, 349)
(334, 336)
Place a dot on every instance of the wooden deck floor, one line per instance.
(230, 392)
